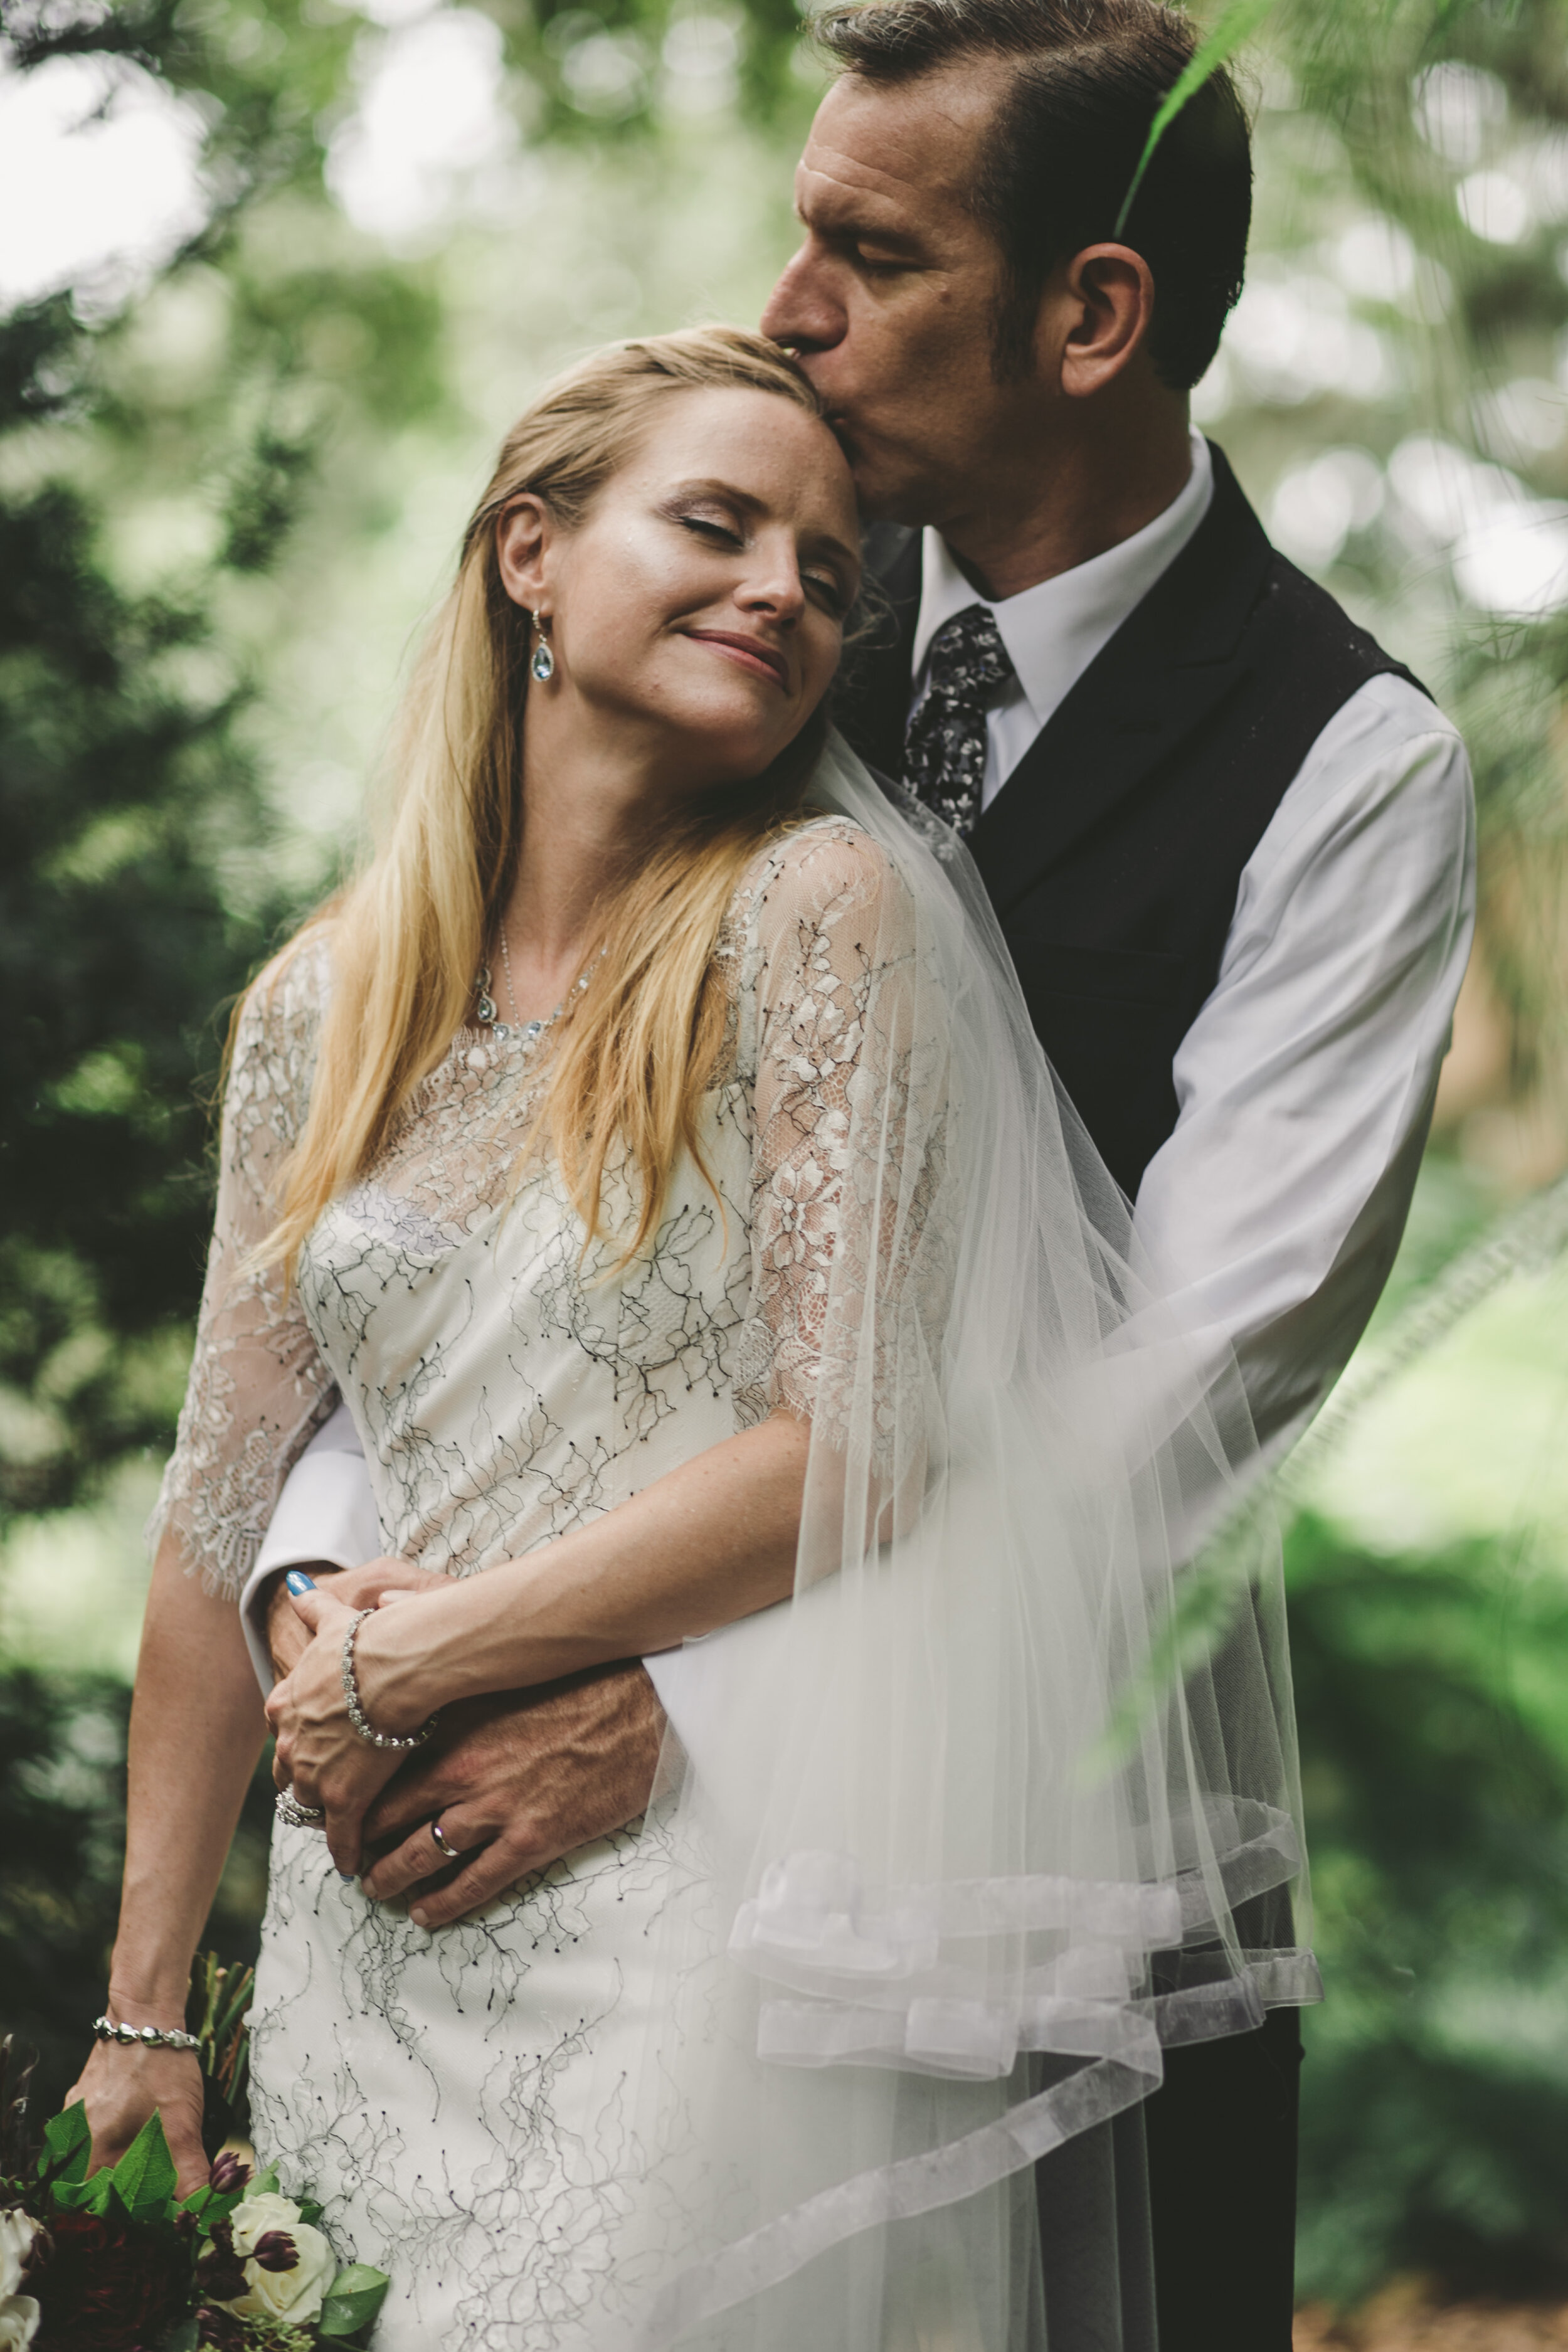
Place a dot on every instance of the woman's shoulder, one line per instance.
(279, 1021)
(816, 873)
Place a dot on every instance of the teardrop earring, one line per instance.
(543, 662)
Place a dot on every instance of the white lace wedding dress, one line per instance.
(443, 2094)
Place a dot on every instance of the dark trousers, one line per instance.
(1201, 2177)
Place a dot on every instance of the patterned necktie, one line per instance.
(944, 749)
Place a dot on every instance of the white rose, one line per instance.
(17, 2231)
(296, 2294)
(19, 2316)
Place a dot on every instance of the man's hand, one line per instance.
(289, 1636)
(516, 1781)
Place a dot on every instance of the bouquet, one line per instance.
(114, 2262)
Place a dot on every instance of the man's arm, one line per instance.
(516, 1781)
(1273, 1214)
(326, 1518)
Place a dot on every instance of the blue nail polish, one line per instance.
(297, 1582)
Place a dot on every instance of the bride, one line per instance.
(651, 1148)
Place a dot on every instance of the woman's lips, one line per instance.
(759, 659)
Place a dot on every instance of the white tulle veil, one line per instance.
(1004, 1801)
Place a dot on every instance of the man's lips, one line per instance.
(759, 659)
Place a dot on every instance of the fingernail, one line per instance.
(297, 1582)
(347, 1876)
(419, 1918)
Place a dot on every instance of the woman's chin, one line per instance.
(728, 752)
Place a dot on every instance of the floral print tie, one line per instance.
(944, 749)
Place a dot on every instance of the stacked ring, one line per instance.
(298, 1816)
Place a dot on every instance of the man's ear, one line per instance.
(1097, 315)
(525, 531)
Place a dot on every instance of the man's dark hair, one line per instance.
(1060, 155)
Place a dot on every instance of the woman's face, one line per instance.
(701, 602)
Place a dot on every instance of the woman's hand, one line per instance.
(121, 2084)
(320, 1754)
(289, 1636)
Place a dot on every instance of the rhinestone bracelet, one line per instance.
(357, 1715)
(151, 2037)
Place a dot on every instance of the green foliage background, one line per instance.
(227, 490)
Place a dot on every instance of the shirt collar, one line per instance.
(1052, 632)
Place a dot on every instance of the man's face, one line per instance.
(891, 297)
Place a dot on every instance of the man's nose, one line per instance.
(802, 310)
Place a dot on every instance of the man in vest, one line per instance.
(1229, 840)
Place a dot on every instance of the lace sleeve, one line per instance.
(259, 1387)
(825, 989)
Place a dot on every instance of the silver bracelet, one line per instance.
(150, 2037)
(357, 1715)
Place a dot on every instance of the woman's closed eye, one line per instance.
(822, 582)
(705, 527)
(830, 592)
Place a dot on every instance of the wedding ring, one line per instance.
(450, 1852)
(297, 1816)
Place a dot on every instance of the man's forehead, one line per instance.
(897, 144)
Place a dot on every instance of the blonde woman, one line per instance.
(651, 1148)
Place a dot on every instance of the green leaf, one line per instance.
(1236, 24)
(145, 2178)
(67, 2145)
(85, 2195)
(208, 2205)
(357, 2295)
(79, 2196)
(184, 2339)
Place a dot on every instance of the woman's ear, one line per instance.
(525, 530)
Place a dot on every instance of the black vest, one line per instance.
(1114, 851)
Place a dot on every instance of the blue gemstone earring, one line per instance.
(543, 662)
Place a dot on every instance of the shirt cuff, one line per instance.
(325, 1512)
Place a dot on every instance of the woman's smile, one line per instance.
(749, 652)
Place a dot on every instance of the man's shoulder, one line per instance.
(1311, 618)
(1293, 625)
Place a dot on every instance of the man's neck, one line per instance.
(1077, 502)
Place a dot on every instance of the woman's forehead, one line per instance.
(759, 441)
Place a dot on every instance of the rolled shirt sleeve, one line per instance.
(1305, 1086)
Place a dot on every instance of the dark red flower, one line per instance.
(220, 2271)
(275, 2251)
(218, 2331)
(229, 2170)
(110, 2285)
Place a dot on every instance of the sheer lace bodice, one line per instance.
(506, 1383)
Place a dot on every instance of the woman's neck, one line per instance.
(583, 808)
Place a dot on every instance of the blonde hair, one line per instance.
(409, 934)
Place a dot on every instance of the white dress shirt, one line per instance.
(1053, 631)
(1305, 1084)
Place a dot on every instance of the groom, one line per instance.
(1229, 838)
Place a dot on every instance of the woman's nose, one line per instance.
(776, 588)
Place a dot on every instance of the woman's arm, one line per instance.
(196, 1729)
(710, 1542)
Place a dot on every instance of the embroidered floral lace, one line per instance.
(730, 1297)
